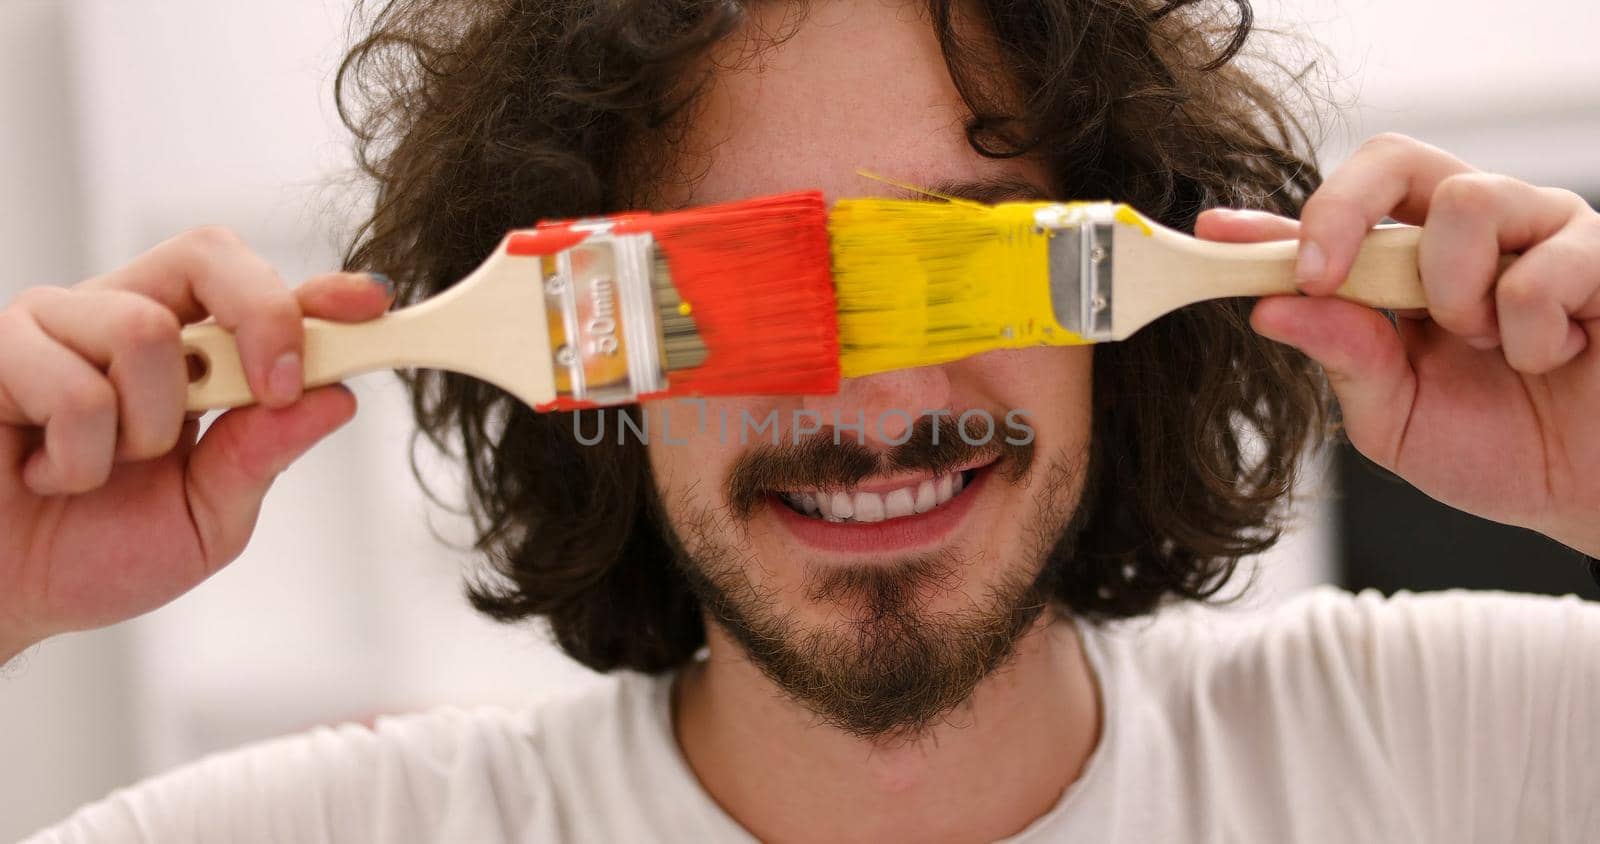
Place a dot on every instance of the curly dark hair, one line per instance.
(475, 116)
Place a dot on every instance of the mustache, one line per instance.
(824, 460)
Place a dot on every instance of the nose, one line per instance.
(881, 408)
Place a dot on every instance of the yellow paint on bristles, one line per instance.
(921, 282)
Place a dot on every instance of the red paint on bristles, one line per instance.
(757, 276)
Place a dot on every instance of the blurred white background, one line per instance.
(125, 123)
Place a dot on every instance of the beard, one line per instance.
(891, 668)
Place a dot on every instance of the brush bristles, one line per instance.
(681, 346)
(920, 283)
(754, 306)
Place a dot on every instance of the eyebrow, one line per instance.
(987, 191)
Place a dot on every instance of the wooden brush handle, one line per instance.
(1163, 270)
(1384, 276)
(491, 325)
(333, 352)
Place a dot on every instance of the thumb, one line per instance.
(1364, 358)
(243, 452)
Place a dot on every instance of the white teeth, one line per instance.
(898, 503)
(868, 507)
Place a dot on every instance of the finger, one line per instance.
(345, 297)
(134, 340)
(211, 271)
(61, 393)
(1472, 220)
(1390, 175)
(1542, 295)
(1238, 225)
(1363, 357)
(231, 468)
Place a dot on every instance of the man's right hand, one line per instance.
(109, 508)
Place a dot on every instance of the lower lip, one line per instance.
(904, 533)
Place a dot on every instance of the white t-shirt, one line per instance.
(1450, 717)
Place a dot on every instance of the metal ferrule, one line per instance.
(609, 345)
(1080, 258)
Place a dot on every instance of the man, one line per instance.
(941, 675)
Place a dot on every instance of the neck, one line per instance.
(985, 772)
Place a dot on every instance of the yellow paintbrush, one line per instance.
(924, 282)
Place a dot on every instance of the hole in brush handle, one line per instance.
(199, 365)
(216, 376)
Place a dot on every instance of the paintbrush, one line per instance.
(726, 299)
(923, 282)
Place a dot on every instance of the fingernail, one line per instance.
(1311, 264)
(383, 281)
(283, 382)
(1483, 344)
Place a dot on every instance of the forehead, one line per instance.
(857, 84)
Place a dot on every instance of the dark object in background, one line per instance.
(1393, 537)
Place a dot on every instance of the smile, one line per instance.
(864, 505)
(882, 515)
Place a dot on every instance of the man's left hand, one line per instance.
(1489, 401)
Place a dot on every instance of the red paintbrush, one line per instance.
(727, 299)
